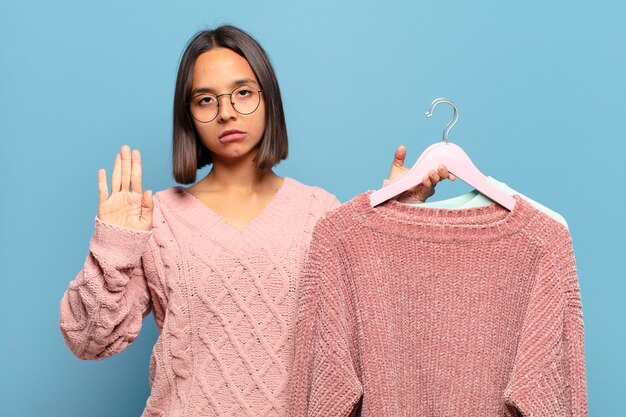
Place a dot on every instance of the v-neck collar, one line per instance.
(209, 222)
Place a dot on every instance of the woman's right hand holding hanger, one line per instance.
(423, 190)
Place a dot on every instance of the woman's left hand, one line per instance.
(427, 187)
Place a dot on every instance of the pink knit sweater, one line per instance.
(223, 300)
(413, 311)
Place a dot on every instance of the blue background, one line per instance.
(539, 85)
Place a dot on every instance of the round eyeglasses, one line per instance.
(204, 107)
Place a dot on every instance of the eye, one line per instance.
(204, 100)
(244, 92)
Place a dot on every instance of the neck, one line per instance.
(238, 176)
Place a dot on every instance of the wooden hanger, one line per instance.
(450, 155)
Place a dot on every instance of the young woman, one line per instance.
(218, 262)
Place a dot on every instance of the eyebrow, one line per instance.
(242, 81)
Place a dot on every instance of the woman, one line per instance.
(218, 262)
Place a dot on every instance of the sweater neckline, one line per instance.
(488, 222)
(209, 222)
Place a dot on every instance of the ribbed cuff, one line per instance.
(120, 246)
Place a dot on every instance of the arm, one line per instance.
(324, 377)
(548, 377)
(102, 310)
(574, 371)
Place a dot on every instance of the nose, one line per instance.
(225, 109)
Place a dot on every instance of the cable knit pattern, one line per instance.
(413, 311)
(223, 300)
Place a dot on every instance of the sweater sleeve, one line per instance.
(103, 308)
(549, 377)
(324, 380)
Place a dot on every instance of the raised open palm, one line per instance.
(127, 206)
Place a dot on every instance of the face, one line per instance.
(231, 135)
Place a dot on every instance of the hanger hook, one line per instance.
(451, 122)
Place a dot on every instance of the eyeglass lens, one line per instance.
(205, 107)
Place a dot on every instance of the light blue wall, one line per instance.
(540, 88)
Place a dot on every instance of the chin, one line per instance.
(237, 154)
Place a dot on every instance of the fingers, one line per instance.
(116, 177)
(426, 182)
(443, 172)
(127, 171)
(434, 177)
(431, 179)
(103, 188)
(126, 168)
(135, 178)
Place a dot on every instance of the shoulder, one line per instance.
(344, 218)
(319, 200)
(173, 205)
(546, 232)
(171, 195)
(174, 199)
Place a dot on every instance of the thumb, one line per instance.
(147, 205)
(398, 159)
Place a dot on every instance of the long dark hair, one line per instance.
(189, 154)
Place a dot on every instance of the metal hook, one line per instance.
(451, 122)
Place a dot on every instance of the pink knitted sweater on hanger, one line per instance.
(223, 300)
(414, 311)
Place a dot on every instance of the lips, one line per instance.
(231, 135)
